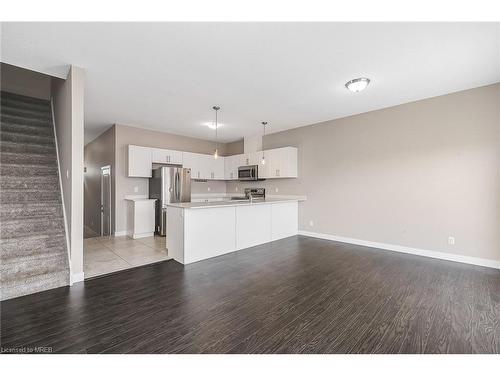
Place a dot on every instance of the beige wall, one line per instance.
(98, 153)
(126, 135)
(25, 82)
(234, 148)
(409, 175)
(68, 112)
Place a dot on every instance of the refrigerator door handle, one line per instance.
(177, 187)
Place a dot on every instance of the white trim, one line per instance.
(66, 232)
(77, 277)
(235, 194)
(120, 234)
(142, 235)
(135, 196)
(409, 250)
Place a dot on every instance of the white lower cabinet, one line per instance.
(200, 233)
(205, 233)
(253, 225)
(284, 220)
(140, 218)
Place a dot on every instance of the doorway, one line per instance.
(106, 201)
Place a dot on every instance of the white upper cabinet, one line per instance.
(139, 161)
(204, 167)
(161, 155)
(280, 163)
(231, 164)
(193, 161)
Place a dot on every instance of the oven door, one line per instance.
(247, 173)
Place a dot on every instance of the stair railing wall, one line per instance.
(62, 193)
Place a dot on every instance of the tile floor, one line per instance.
(102, 255)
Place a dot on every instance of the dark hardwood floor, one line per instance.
(297, 295)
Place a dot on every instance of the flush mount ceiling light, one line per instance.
(357, 85)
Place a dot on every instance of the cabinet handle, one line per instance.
(198, 174)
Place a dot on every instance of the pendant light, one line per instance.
(264, 123)
(216, 152)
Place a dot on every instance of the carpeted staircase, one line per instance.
(33, 247)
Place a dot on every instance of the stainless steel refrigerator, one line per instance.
(168, 185)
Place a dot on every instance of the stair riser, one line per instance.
(17, 288)
(27, 139)
(57, 254)
(40, 131)
(31, 113)
(22, 107)
(52, 197)
(47, 183)
(27, 246)
(28, 269)
(26, 170)
(8, 119)
(23, 99)
(30, 210)
(23, 148)
(32, 159)
(30, 227)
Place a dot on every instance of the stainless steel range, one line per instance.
(252, 194)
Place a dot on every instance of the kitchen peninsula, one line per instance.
(202, 230)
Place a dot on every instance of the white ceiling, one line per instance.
(167, 76)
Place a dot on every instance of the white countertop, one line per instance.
(229, 203)
(139, 199)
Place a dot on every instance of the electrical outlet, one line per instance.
(311, 223)
(208, 188)
(136, 189)
(236, 188)
(276, 190)
(451, 240)
(67, 173)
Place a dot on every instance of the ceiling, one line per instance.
(167, 76)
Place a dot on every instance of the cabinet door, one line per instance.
(282, 162)
(254, 158)
(192, 161)
(219, 168)
(206, 166)
(231, 164)
(139, 161)
(265, 170)
(165, 156)
(228, 168)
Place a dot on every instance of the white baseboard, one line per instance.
(77, 277)
(120, 234)
(143, 235)
(409, 250)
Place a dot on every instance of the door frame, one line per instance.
(110, 200)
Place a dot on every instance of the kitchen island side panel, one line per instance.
(209, 233)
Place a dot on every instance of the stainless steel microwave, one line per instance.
(248, 173)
